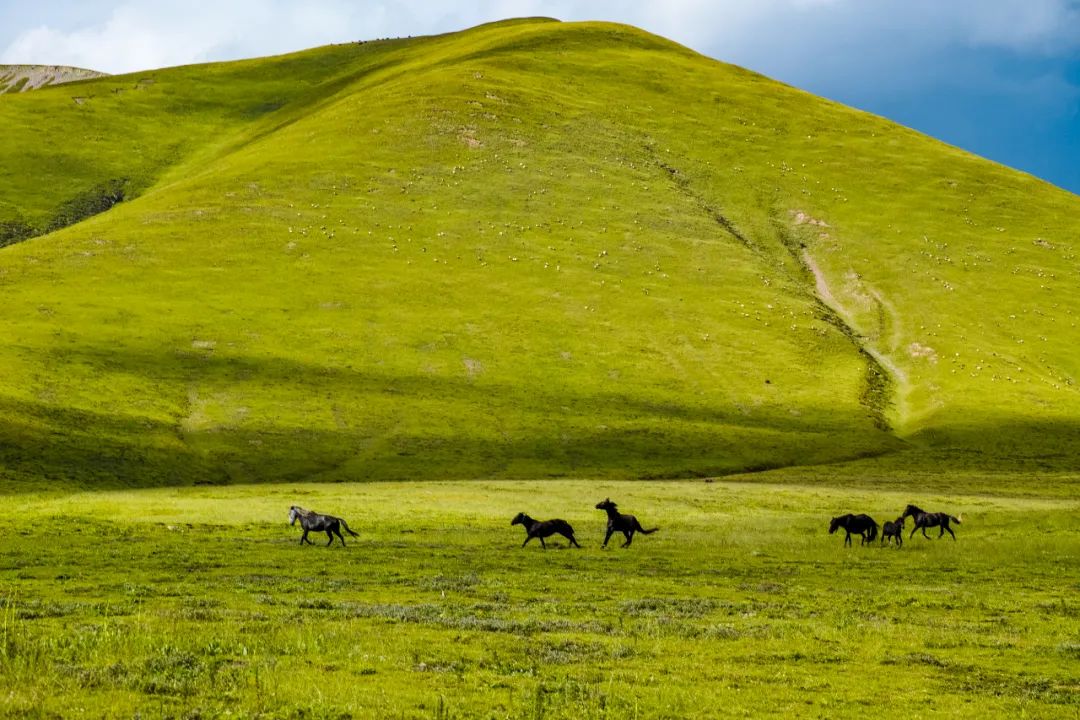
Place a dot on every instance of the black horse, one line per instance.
(310, 520)
(925, 520)
(617, 522)
(542, 529)
(894, 530)
(863, 525)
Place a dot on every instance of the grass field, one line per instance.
(503, 270)
(200, 603)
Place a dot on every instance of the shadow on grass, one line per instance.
(426, 427)
(396, 427)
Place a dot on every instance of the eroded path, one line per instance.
(890, 325)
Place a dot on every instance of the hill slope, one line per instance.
(526, 249)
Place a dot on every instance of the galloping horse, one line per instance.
(310, 520)
(617, 522)
(863, 525)
(544, 528)
(924, 520)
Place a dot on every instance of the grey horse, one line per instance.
(311, 520)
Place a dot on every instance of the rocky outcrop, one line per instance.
(20, 78)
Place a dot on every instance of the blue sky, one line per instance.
(1000, 78)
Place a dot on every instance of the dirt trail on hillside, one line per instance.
(899, 376)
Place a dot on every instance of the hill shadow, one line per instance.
(445, 428)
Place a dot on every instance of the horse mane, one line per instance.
(913, 510)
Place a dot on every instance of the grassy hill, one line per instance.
(529, 249)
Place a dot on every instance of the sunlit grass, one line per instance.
(202, 600)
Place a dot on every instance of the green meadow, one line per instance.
(200, 602)
(429, 283)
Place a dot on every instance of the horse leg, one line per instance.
(570, 537)
(527, 539)
(330, 534)
(913, 531)
(924, 533)
(847, 538)
(542, 543)
(610, 532)
(629, 537)
(342, 537)
(303, 538)
(946, 527)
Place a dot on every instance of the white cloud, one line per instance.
(143, 35)
(778, 37)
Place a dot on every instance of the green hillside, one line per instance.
(529, 249)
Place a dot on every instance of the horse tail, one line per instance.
(873, 530)
(957, 519)
(347, 528)
(643, 531)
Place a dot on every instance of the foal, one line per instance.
(311, 520)
(617, 522)
(542, 529)
(893, 530)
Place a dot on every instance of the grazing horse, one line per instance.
(310, 520)
(924, 520)
(617, 522)
(895, 530)
(542, 529)
(863, 525)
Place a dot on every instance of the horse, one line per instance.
(893, 530)
(617, 522)
(542, 529)
(863, 525)
(311, 520)
(924, 520)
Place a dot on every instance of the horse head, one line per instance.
(835, 523)
(913, 511)
(295, 512)
(519, 519)
(606, 505)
